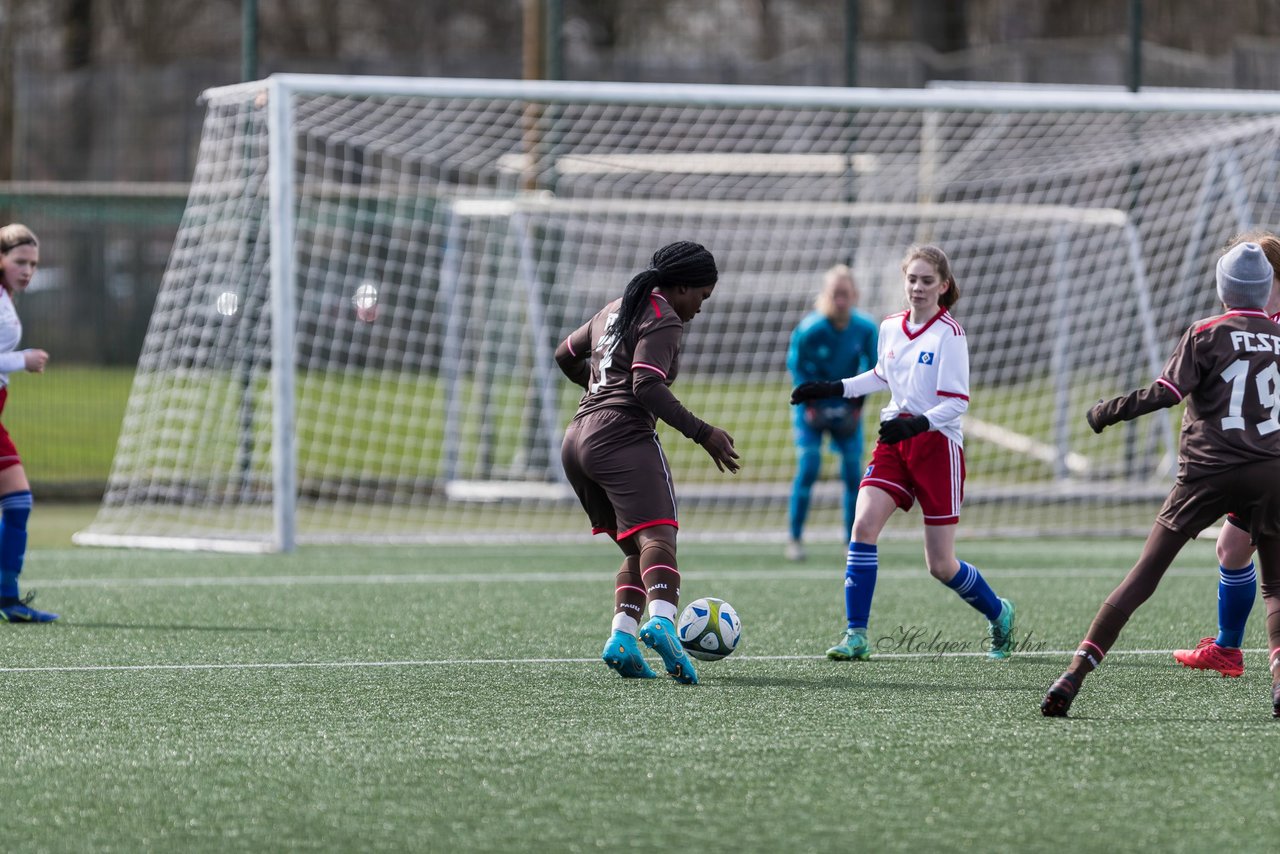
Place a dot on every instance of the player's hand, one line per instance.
(719, 445)
(1094, 417)
(35, 360)
(816, 391)
(895, 430)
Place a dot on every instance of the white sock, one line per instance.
(625, 623)
(658, 608)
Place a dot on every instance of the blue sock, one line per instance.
(860, 583)
(973, 588)
(1236, 589)
(14, 510)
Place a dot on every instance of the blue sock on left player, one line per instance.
(860, 570)
(15, 508)
(1236, 591)
(969, 584)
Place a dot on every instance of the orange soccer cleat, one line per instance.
(1209, 656)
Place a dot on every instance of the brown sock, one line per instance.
(658, 569)
(1102, 634)
(628, 592)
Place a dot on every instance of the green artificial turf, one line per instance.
(451, 699)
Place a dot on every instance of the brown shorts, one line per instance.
(1250, 491)
(616, 466)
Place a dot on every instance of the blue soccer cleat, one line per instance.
(622, 653)
(660, 636)
(20, 611)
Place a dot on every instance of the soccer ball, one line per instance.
(709, 629)
(366, 302)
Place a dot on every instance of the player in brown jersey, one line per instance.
(1227, 369)
(626, 357)
(1237, 578)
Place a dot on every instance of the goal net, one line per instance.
(353, 339)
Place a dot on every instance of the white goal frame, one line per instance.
(280, 90)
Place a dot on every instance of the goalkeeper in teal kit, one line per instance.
(830, 343)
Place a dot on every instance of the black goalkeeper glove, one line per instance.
(895, 430)
(816, 391)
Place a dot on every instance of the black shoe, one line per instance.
(1056, 703)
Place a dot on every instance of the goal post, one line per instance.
(353, 339)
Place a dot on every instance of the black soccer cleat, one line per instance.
(1275, 700)
(1056, 703)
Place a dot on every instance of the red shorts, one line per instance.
(8, 453)
(928, 468)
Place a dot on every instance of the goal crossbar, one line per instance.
(567, 91)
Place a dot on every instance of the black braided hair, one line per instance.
(680, 263)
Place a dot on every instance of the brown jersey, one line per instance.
(1227, 369)
(632, 373)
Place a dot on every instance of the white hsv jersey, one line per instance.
(10, 335)
(925, 368)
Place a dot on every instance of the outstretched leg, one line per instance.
(968, 583)
(1161, 548)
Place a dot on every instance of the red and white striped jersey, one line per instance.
(925, 368)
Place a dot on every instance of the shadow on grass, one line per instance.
(174, 627)
(857, 682)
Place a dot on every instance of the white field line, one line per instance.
(479, 662)
(781, 574)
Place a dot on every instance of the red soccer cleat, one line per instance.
(1209, 656)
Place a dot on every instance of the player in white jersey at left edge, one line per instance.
(19, 257)
(923, 361)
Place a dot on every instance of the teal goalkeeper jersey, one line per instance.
(821, 353)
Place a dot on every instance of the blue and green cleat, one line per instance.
(1000, 631)
(622, 653)
(20, 611)
(659, 634)
(852, 647)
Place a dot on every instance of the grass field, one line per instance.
(450, 699)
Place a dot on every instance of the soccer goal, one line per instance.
(353, 340)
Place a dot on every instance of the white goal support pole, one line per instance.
(353, 339)
(280, 162)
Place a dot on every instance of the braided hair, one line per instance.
(676, 264)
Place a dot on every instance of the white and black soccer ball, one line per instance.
(709, 629)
